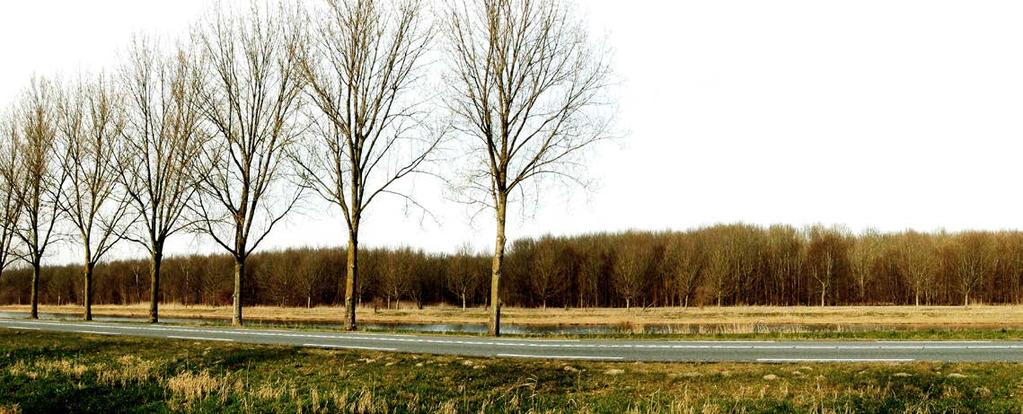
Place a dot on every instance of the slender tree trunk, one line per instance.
(494, 327)
(628, 303)
(350, 278)
(89, 268)
(824, 292)
(463, 302)
(916, 297)
(239, 274)
(154, 286)
(36, 270)
(966, 299)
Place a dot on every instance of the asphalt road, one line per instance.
(583, 349)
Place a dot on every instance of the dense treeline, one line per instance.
(720, 265)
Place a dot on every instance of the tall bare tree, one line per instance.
(863, 253)
(156, 157)
(250, 101)
(364, 68)
(463, 276)
(975, 256)
(526, 87)
(10, 203)
(38, 187)
(91, 120)
(549, 273)
(684, 261)
(827, 256)
(631, 267)
(918, 261)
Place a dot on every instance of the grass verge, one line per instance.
(54, 372)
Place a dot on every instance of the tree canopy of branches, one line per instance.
(525, 87)
(91, 120)
(250, 102)
(41, 179)
(364, 69)
(10, 202)
(161, 142)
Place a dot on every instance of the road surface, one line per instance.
(582, 349)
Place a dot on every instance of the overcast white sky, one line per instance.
(875, 113)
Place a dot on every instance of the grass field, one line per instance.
(838, 321)
(50, 372)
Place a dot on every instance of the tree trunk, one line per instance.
(89, 268)
(463, 302)
(494, 327)
(916, 298)
(350, 279)
(824, 292)
(966, 299)
(36, 270)
(239, 274)
(628, 304)
(154, 286)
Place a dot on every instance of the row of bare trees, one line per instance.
(720, 265)
(221, 132)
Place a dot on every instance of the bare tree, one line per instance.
(38, 188)
(250, 101)
(685, 258)
(364, 70)
(549, 270)
(91, 122)
(827, 255)
(396, 276)
(156, 157)
(975, 255)
(10, 203)
(863, 252)
(785, 261)
(463, 277)
(525, 89)
(631, 267)
(918, 261)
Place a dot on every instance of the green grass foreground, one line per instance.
(54, 372)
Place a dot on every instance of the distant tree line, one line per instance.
(723, 265)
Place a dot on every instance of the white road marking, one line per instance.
(27, 328)
(98, 332)
(365, 348)
(834, 360)
(933, 341)
(197, 338)
(586, 357)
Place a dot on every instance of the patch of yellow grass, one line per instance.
(190, 387)
(129, 369)
(62, 366)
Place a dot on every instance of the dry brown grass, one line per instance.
(981, 316)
